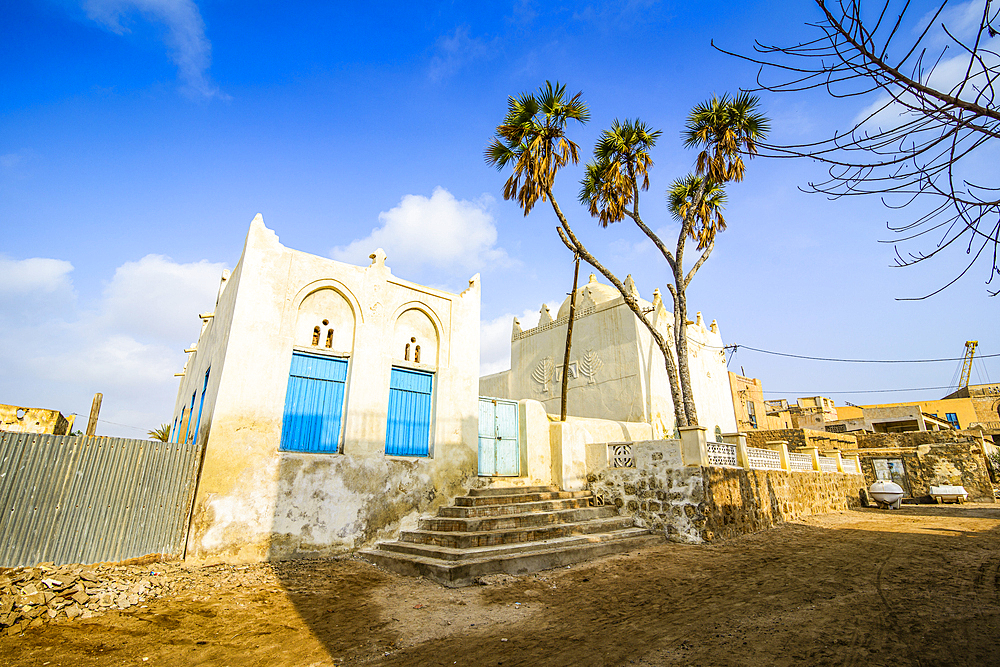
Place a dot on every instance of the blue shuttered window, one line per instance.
(408, 431)
(314, 404)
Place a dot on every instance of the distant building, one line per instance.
(752, 411)
(18, 419)
(985, 400)
(899, 418)
(943, 414)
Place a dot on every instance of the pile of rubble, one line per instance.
(35, 595)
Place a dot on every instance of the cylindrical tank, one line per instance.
(886, 494)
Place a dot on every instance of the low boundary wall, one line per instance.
(656, 482)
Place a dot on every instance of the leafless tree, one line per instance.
(930, 79)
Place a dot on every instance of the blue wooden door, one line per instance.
(314, 404)
(487, 437)
(408, 431)
(499, 454)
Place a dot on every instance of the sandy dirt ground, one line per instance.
(918, 586)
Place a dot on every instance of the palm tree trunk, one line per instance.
(569, 341)
(680, 318)
(683, 367)
(571, 241)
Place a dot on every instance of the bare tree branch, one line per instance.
(914, 147)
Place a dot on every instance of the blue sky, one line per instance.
(138, 138)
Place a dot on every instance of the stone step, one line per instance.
(515, 508)
(522, 497)
(515, 521)
(511, 490)
(522, 559)
(456, 541)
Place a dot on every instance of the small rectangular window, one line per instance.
(952, 419)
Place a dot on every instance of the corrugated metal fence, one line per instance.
(78, 499)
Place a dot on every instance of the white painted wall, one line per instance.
(255, 501)
(617, 372)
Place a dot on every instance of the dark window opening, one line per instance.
(329, 338)
(315, 335)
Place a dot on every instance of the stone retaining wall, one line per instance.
(697, 504)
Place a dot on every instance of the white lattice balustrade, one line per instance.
(827, 464)
(800, 462)
(763, 459)
(722, 454)
(850, 466)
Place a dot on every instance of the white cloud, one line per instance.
(152, 297)
(440, 232)
(454, 51)
(962, 21)
(189, 47)
(126, 345)
(494, 337)
(28, 277)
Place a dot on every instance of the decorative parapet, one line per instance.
(552, 324)
(763, 459)
(734, 453)
(723, 454)
(800, 462)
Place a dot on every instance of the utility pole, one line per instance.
(95, 410)
(569, 342)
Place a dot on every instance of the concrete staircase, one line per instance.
(512, 531)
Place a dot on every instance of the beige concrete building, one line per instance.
(616, 371)
(19, 419)
(985, 400)
(335, 402)
(751, 408)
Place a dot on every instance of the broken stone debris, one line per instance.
(31, 596)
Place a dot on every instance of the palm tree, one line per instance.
(725, 129)
(707, 215)
(619, 171)
(610, 190)
(532, 137)
(161, 434)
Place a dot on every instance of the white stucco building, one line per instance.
(616, 370)
(334, 402)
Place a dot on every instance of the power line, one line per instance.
(859, 391)
(857, 361)
(105, 421)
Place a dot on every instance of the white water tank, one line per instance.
(886, 494)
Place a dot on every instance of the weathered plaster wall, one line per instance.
(930, 458)
(255, 501)
(18, 419)
(700, 504)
